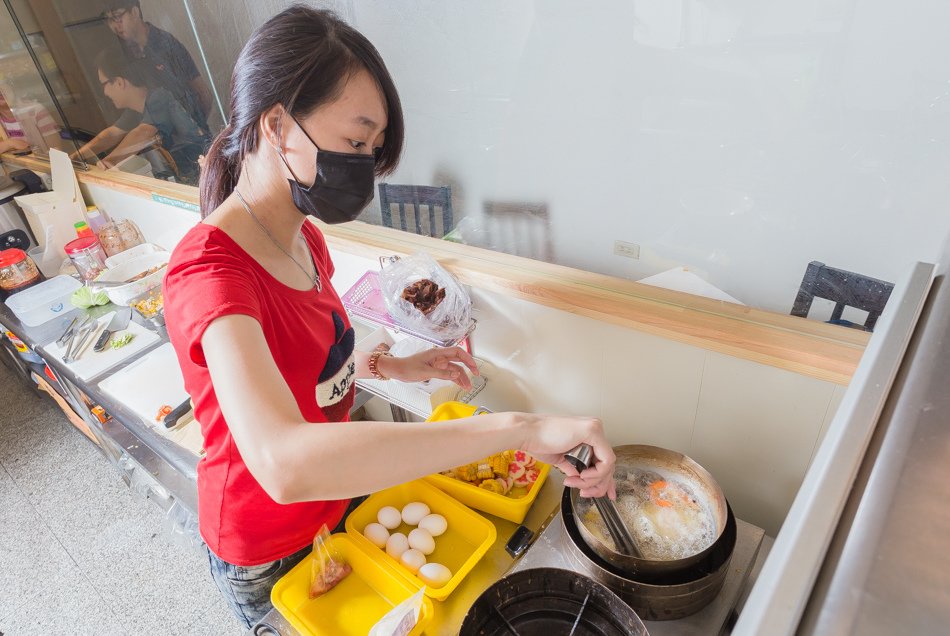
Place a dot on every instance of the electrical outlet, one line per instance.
(630, 250)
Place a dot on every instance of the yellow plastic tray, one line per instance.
(354, 605)
(478, 498)
(467, 539)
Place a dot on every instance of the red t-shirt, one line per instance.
(310, 337)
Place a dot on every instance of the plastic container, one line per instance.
(83, 229)
(17, 271)
(123, 294)
(131, 254)
(478, 498)
(87, 256)
(355, 604)
(467, 539)
(45, 301)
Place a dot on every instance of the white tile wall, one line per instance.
(754, 427)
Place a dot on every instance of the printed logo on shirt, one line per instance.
(339, 372)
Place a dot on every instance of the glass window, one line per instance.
(137, 98)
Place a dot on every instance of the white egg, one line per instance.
(413, 513)
(436, 525)
(422, 541)
(389, 517)
(396, 545)
(435, 574)
(377, 534)
(413, 560)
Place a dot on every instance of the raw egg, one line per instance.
(413, 560)
(422, 541)
(436, 525)
(377, 534)
(389, 517)
(414, 512)
(396, 545)
(435, 574)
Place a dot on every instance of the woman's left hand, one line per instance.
(446, 363)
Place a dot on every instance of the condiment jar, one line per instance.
(110, 239)
(130, 234)
(87, 255)
(17, 271)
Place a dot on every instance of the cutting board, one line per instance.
(92, 363)
(148, 384)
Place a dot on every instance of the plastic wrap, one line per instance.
(446, 309)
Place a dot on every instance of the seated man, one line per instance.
(164, 122)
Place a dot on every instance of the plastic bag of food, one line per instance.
(327, 567)
(422, 296)
(400, 620)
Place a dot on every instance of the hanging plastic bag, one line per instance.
(400, 620)
(327, 567)
(422, 296)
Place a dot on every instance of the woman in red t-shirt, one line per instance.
(265, 346)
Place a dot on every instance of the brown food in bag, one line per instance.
(327, 568)
(425, 295)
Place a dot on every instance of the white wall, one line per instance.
(742, 139)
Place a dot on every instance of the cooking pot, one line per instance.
(671, 466)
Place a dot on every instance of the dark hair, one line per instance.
(301, 59)
(111, 5)
(113, 63)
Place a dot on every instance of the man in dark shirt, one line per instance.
(161, 118)
(164, 60)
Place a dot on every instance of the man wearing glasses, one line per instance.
(164, 60)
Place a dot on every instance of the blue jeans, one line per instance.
(247, 588)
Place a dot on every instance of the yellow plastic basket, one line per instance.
(478, 498)
(467, 539)
(355, 604)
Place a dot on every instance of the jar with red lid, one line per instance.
(87, 255)
(17, 271)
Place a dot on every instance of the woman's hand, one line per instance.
(551, 436)
(12, 145)
(446, 363)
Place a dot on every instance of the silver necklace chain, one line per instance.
(315, 276)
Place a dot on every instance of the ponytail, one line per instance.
(219, 175)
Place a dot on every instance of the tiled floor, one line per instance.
(79, 552)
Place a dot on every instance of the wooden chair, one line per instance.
(416, 197)
(521, 229)
(845, 289)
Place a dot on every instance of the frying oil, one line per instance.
(663, 513)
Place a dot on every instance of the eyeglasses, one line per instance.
(116, 16)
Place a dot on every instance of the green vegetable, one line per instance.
(121, 341)
(84, 298)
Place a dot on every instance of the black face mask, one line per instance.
(342, 188)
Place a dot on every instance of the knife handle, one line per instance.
(102, 341)
(171, 420)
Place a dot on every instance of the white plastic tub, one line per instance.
(131, 254)
(123, 294)
(41, 303)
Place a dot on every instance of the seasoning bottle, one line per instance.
(83, 229)
(130, 233)
(17, 271)
(110, 239)
(87, 255)
(95, 218)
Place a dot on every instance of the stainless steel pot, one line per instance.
(669, 464)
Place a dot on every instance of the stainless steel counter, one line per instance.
(126, 435)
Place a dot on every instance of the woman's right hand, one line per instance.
(549, 437)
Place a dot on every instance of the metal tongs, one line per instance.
(582, 457)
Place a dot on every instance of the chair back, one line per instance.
(844, 288)
(409, 201)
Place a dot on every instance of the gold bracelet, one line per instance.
(374, 364)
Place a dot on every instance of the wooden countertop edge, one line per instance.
(808, 347)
